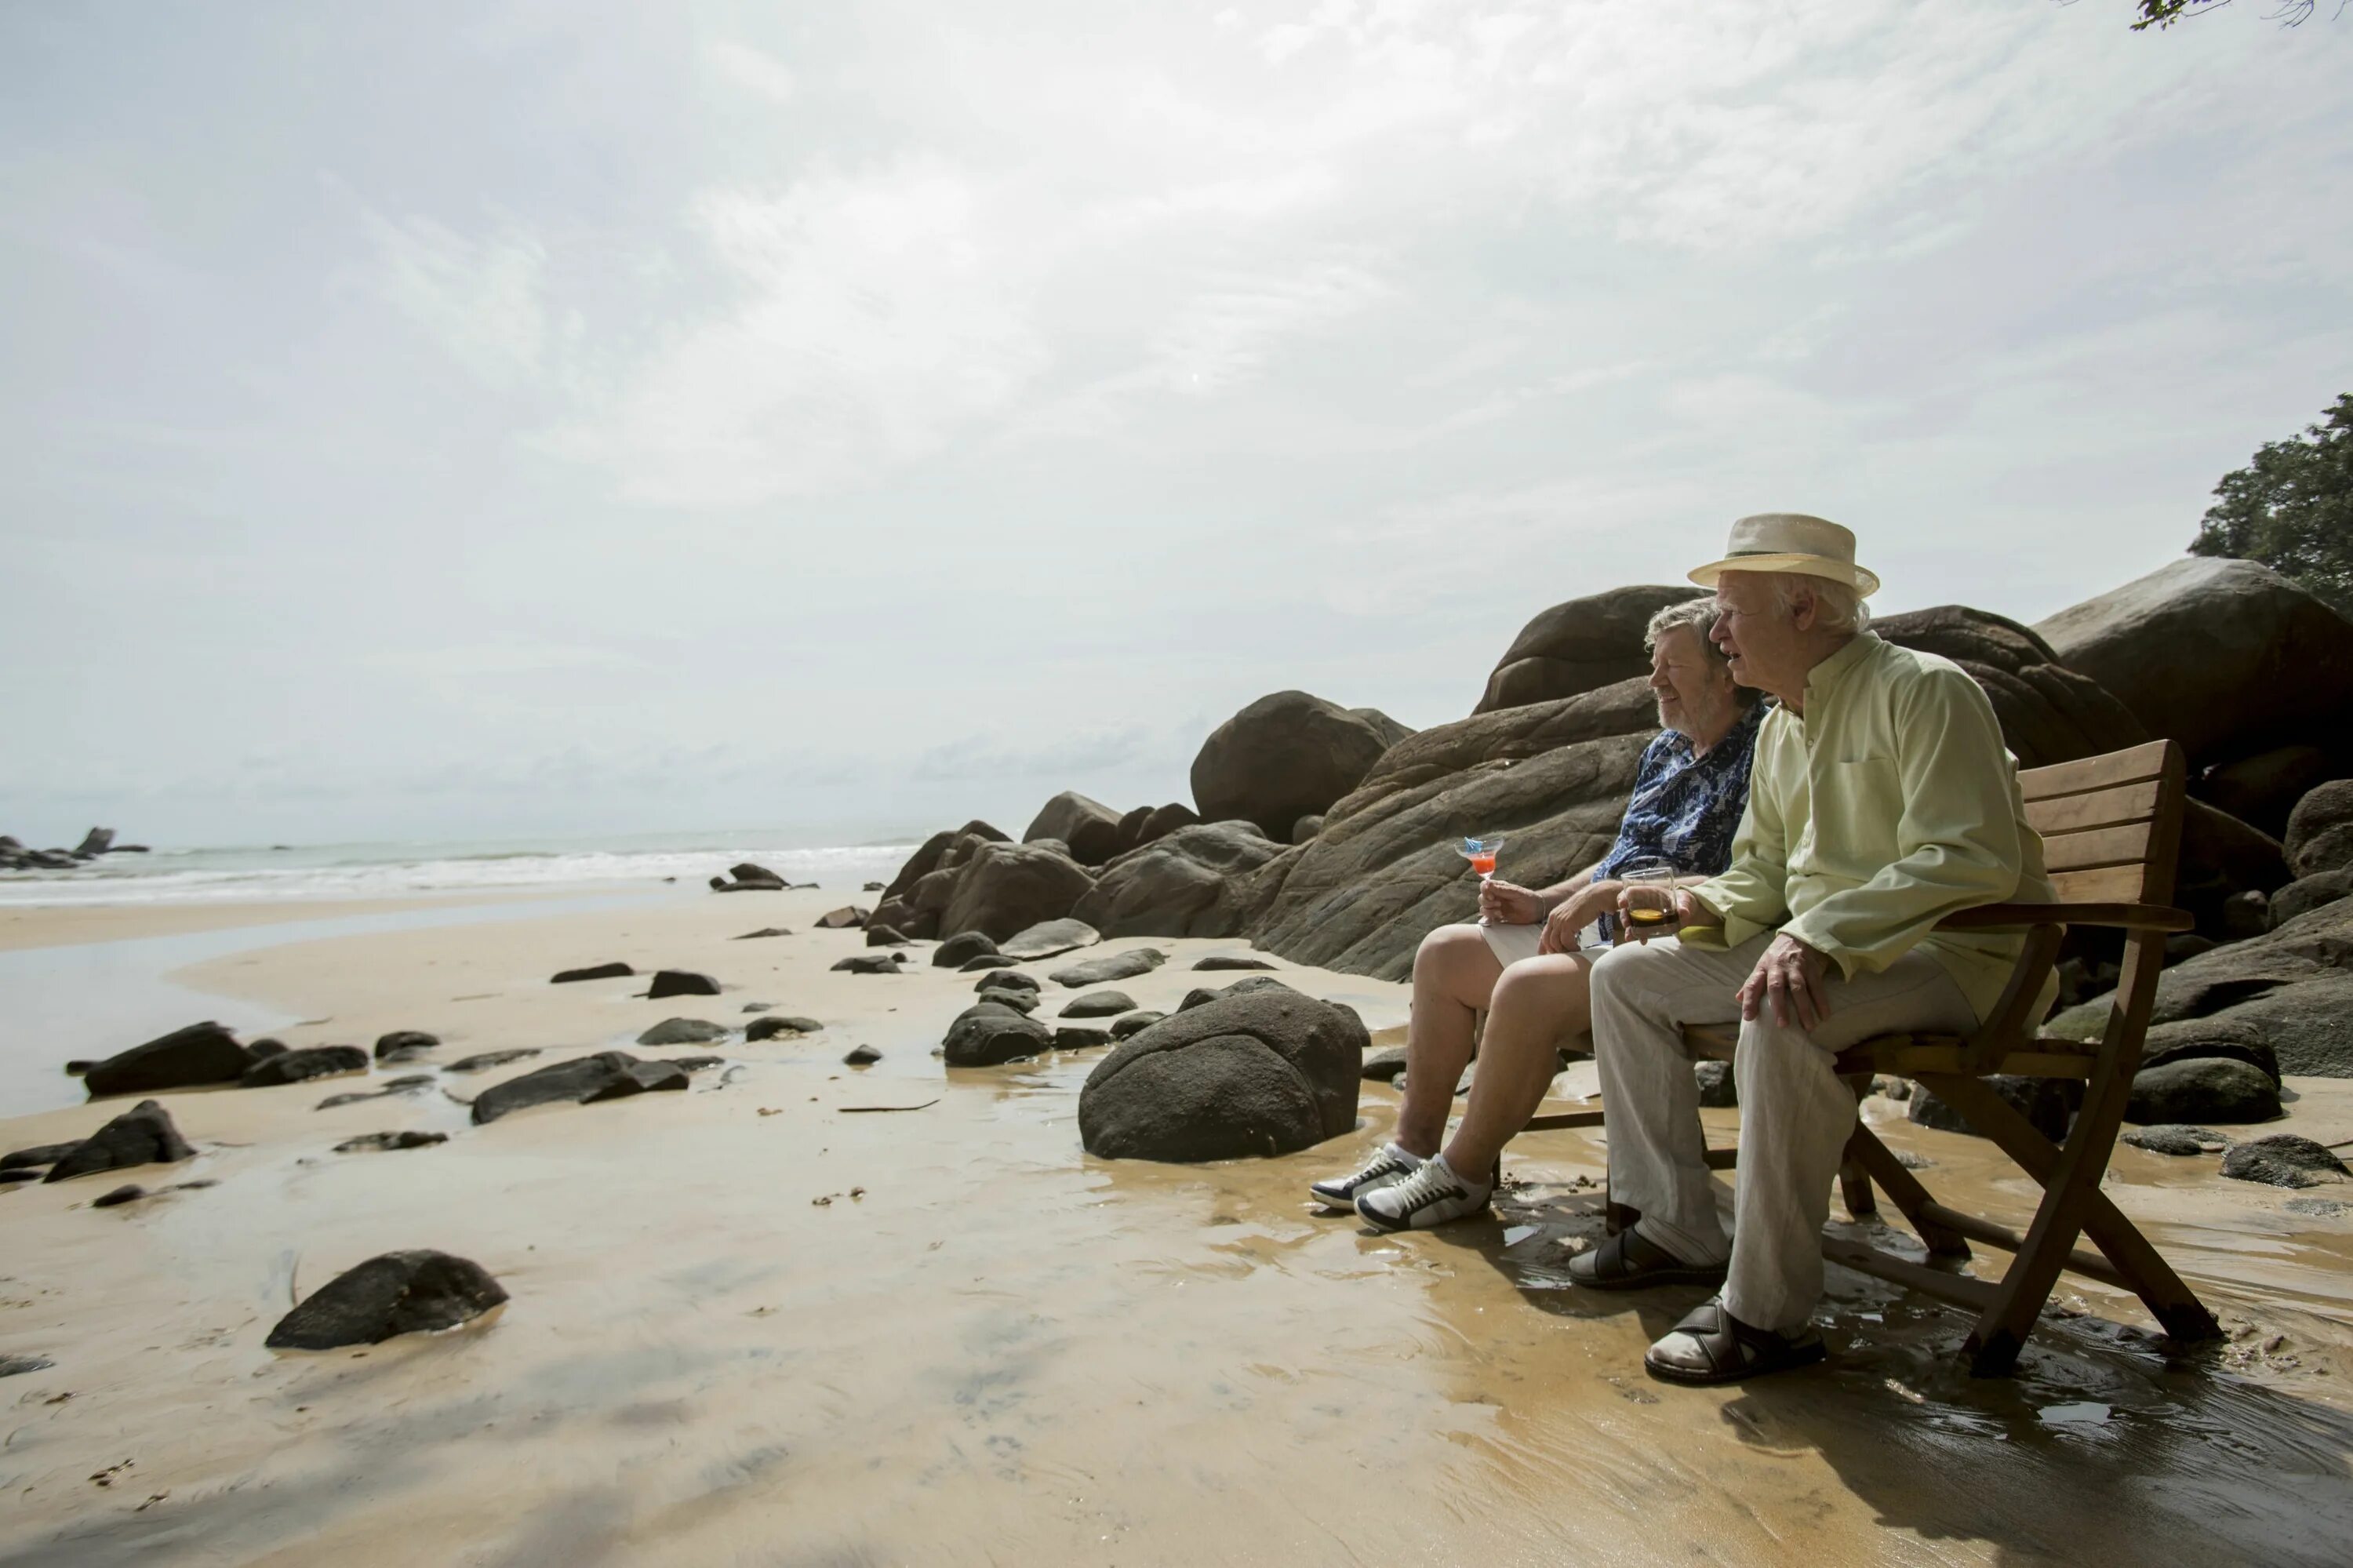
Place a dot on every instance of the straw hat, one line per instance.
(1790, 542)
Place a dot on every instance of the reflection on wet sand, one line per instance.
(1004, 1351)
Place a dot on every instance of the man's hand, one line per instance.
(1574, 913)
(1788, 979)
(1690, 914)
(1509, 904)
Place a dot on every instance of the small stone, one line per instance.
(684, 1031)
(987, 1034)
(1717, 1089)
(1049, 938)
(879, 936)
(984, 961)
(871, 963)
(385, 1142)
(681, 982)
(16, 1366)
(962, 949)
(1006, 980)
(143, 1135)
(1384, 1066)
(1018, 1000)
(1079, 1037)
(490, 1059)
(777, 1023)
(1134, 1024)
(2201, 1089)
(846, 917)
(300, 1066)
(398, 1293)
(763, 931)
(2174, 1137)
(643, 1077)
(861, 1057)
(402, 1043)
(1099, 1004)
(596, 971)
(1109, 968)
(2283, 1160)
(130, 1191)
(1230, 961)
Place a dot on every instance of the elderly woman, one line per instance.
(1526, 967)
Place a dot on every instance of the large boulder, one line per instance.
(1175, 886)
(2202, 1089)
(398, 1293)
(1262, 1074)
(2306, 893)
(1578, 647)
(2320, 830)
(199, 1053)
(2227, 657)
(2049, 713)
(1280, 758)
(1004, 888)
(1089, 827)
(1161, 820)
(2263, 789)
(143, 1135)
(918, 917)
(989, 1035)
(2291, 988)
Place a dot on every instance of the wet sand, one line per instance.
(1004, 1351)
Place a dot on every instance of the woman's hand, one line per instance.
(1509, 904)
(1575, 913)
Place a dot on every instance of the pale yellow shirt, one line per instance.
(1891, 804)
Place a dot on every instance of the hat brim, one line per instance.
(1863, 582)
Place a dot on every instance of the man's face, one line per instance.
(1756, 636)
(1694, 692)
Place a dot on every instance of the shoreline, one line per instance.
(988, 1343)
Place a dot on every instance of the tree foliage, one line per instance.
(2292, 509)
(2163, 14)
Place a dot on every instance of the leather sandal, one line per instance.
(1628, 1262)
(1712, 1346)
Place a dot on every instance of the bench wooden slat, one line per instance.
(2088, 851)
(2110, 884)
(2095, 809)
(1958, 1289)
(2106, 772)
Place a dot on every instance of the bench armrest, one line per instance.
(2017, 916)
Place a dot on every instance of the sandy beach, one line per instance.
(748, 1325)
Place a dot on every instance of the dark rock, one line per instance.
(10, 1178)
(1578, 646)
(871, 887)
(1306, 828)
(1079, 1037)
(77, 1065)
(489, 1059)
(413, 1083)
(1161, 820)
(258, 1049)
(1134, 1022)
(2226, 869)
(1386, 1065)
(2048, 1103)
(1088, 827)
(1263, 1073)
(1022, 1001)
(1006, 888)
(402, 1043)
(1717, 1089)
(987, 1035)
(643, 1078)
(962, 949)
(2283, 1160)
(1006, 980)
(2262, 790)
(759, 1006)
(932, 851)
(749, 876)
(774, 1024)
(386, 1142)
(2225, 656)
(884, 936)
(1099, 1004)
(143, 1135)
(1230, 961)
(40, 1154)
(130, 1191)
(1388, 729)
(575, 1081)
(2224, 1037)
(95, 842)
(2306, 893)
(989, 961)
(2174, 1137)
(1284, 757)
(848, 917)
(692, 1063)
(1200, 994)
(861, 1057)
(398, 1293)
(1109, 968)
(1049, 939)
(200, 1054)
(2320, 830)
(2184, 946)
(1178, 885)
(763, 931)
(681, 982)
(16, 1366)
(685, 1032)
(1131, 828)
(594, 972)
(871, 963)
(2202, 1088)
(300, 1066)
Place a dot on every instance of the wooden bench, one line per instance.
(2111, 826)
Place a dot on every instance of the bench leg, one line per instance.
(2072, 1202)
(1854, 1180)
(1879, 1161)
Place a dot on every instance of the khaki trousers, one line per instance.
(1795, 1114)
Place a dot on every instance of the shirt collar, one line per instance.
(1825, 678)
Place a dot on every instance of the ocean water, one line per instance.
(236, 875)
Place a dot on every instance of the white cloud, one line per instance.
(754, 69)
(479, 299)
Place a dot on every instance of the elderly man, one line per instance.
(1525, 966)
(1881, 801)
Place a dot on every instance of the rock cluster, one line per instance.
(15, 857)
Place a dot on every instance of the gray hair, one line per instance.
(1836, 606)
(1695, 616)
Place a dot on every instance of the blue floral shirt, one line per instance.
(1686, 809)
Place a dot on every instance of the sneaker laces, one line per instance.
(1431, 1180)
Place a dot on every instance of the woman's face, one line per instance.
(1694, 689)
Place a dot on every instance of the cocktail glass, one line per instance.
(1481, 853)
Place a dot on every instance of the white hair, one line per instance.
(1836, 606)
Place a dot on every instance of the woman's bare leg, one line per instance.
(1532, 1005)
(1453, 974)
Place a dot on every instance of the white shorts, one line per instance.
(1510, 944)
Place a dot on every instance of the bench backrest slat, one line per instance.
(2109, 823)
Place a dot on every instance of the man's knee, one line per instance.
(1631, 966)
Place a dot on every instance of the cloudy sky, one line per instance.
(489, 418)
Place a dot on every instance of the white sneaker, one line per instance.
(1392, 1163)
(1432, 1195)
